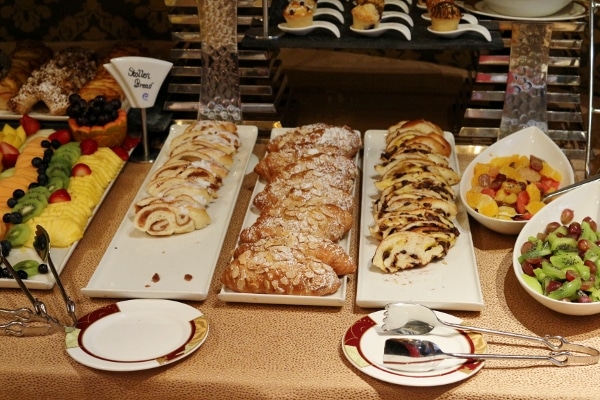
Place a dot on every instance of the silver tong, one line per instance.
(36, 320)
(416, 319)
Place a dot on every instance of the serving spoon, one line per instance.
(548, 197)
(382, 28)
(463, 28)
(417, 319)
(406, 354)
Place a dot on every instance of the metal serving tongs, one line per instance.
(41, 243)
(25, 321)
(417, 319)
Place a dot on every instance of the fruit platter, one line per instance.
(56, 179)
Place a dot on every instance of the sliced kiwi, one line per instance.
(18, 234)
(29, 207)
(56, 183)
(565, 260)
(58, 170)
(71, 151)
(29, 266)
(36, 195)
(40, 190)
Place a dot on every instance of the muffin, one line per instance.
(432, 3)
(445, 17)
(365, 16)
(299, 14)
(379, 4)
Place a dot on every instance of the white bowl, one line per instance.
(528, 141)
(527, 8)
(584, 201)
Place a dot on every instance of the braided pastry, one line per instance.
(55, 81)
(24, 59)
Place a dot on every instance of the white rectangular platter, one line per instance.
(336, 299)
(184, 263)
(449, 284)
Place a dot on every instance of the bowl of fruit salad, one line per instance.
(556, 258)
(503, 187)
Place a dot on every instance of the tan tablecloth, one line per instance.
(285, 352)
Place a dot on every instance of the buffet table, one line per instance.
(257, 351)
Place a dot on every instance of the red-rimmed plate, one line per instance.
(137, 334)
(364, 341)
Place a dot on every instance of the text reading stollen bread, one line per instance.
(305, 208)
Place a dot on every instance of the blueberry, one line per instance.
(5, 273)
(55, 144)
(37, 162)
(6, 218)
(6, 247)
(11, 202)
(45, 144)
(16, 218)
(33, 184)
(43, 179)
(18, 193)
(22, 274)
(43, 268)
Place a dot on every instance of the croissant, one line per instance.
(26, 57)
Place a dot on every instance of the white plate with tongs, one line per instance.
(36, 320)
(406, 343)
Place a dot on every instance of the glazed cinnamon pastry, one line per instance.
(103, 83)
(180, 190)
(55, 81)
(280, 270)
(26, 57)
(167, 216)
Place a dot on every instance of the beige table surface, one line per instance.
(285, 352)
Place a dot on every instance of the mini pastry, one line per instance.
(365, 16)
(299, 14)
(445, 17)
(379, 4)
(432, 3)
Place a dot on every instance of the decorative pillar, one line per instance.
(525, 101)
(220, 82)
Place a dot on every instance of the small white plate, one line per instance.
(470, 18)
(572, 11)
(397, 3)
(364, 341)
(387, 15)
(382, 28)
(308, 29)
(135, 335)
(319, 12)
(336, 3)
(463, 28)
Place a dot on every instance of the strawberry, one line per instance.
(9, 154)
(62, 135)
(29, 124)
(80, 170)
(59, 195)
(130, 142)
(121, 152)
(88, 146)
